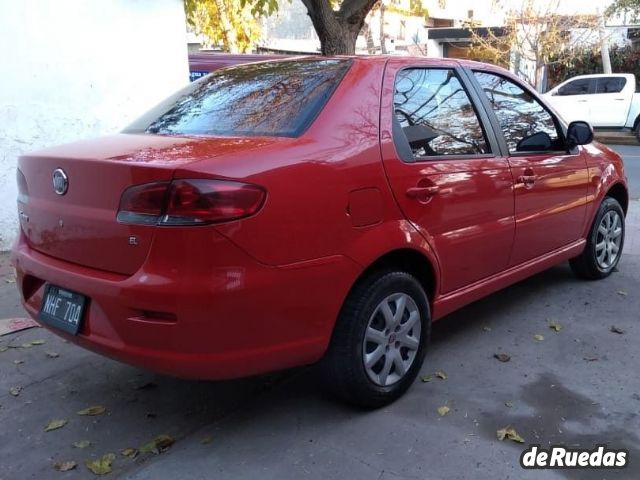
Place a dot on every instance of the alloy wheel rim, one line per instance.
(608, 240)
(391, 339)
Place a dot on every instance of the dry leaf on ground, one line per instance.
(503, 357)
(65, 466)
(93, 410)
(206, 441)
(15, 391)
(441, 375)
(556, 327)
(622, 293)
(617, 330)
(102, 465)
(129, 452)
(157, 445)
(52, 354)
(38, 342)
(55, 424)
(538, 337)
(443, 410)
(509, 433)
(81, 444)
(426, 378)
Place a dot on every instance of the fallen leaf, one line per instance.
(508, 404)
(206, 440)
(10, 280)
(486, 329)
(441, 375)
(622, 293)
(538, 337)
(617, 330)
(129, 452)
(15, 391)
(157, 445)
(503, 357)
(426, 378)
(81, 444)
(18, 362)
(26, 345)
(38, 342)
(52, 354)
(93, 410)
(102, 465)
(555, 326)
(55, 424)
(509, 433)
(65, 466)
(3, 349)
(443, 410)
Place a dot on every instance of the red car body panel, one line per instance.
(263, 293)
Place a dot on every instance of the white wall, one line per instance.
(72, 69)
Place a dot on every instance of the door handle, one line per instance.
(422, 192)
(527, 179)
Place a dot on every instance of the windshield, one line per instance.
(270, 98)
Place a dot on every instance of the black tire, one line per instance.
(343, 366)
(637, 131)
(586, 265)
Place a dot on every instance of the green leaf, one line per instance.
(65, 466)
(157, 445)
(93, 410)
(55, 424)
(81, 444)
(102, 465)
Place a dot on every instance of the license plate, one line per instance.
(62, 309)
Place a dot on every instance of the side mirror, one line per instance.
(579, 133)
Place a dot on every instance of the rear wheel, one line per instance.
(604, 244)
(379, 341)
(637, 131)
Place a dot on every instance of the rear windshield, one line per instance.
(272, 99)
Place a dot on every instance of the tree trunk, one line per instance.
(338, 30)
(229, 33)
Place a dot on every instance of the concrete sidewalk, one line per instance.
(577, 387)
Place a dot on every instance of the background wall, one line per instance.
(73, 69)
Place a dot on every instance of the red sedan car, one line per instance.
(314, 209)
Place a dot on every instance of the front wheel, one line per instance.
(604, 243)
(379, 341)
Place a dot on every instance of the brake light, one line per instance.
(190, 202)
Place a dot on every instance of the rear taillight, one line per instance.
(189, 202)
(23, 190)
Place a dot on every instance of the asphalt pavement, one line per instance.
(578, 386)
(631, 156)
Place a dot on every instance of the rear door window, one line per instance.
(270, 98)
(581, 86)
(436, 115)
(610, 84)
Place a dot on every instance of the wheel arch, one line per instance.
(620, 193)
(407, 260)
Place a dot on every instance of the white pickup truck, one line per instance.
(603, 100)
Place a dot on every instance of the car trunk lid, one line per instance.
(80, 225)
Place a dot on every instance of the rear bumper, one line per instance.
(199, 307)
